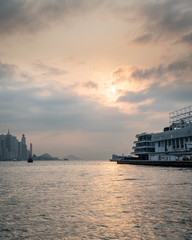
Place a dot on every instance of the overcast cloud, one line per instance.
(31, 15)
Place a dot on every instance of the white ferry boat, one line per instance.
(175, 142)
(171, 147)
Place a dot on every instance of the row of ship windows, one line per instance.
(144, 138)
(173, 142)
(144, 150)
(145, 144)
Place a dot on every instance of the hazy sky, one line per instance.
(84, 77)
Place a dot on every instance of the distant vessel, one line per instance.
(30, 159)
(66, 159)
(116, 158)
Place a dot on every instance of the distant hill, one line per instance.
(72, 157)
(46, 156)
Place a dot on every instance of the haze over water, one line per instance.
(94, 200)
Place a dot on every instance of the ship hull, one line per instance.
(181, 164)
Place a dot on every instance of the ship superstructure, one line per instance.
(143, 146)
(175, 142)
(171, 147)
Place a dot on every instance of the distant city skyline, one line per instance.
(84, 77)
(13, 149)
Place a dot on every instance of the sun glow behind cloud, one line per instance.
(113, 90)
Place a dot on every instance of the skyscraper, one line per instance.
(8, 146)
(31, 149)
(23, 139)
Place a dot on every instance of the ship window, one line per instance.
(177, 142)
(181, 142)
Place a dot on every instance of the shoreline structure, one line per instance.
(172, 147)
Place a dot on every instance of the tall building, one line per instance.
(2, 147)
(15, 147)
(23, 139)
(19, 151)
(24, 147)
(31, 149)
(8, 146)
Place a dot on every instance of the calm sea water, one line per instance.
(94, 200)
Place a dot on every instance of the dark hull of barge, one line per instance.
(181, 164)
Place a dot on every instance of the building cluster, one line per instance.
(13, 149)
(174, 143)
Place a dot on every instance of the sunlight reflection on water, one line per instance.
(94, 200)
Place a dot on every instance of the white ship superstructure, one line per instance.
(175, 143)
(143, 146)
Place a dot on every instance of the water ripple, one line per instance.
(94, 200)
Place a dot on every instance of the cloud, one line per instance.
(162, 97)
(156, 89)
(170, 86)
(157, 20)
(7, 71)
(167, 17)
(13, 78)
(144, 38)
(134, 78)
(31, 15)
(91, 84)
(153, 72)
(134, 97)
(167, 97)
(181, 67)
(171, 72)
(178, 70)
(26, 104)
(50, 70)
(187, 38)
(57, 112)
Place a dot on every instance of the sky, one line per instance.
(84, 77)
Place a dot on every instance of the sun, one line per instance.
(113, 90)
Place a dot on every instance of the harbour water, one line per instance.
(94, 200)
